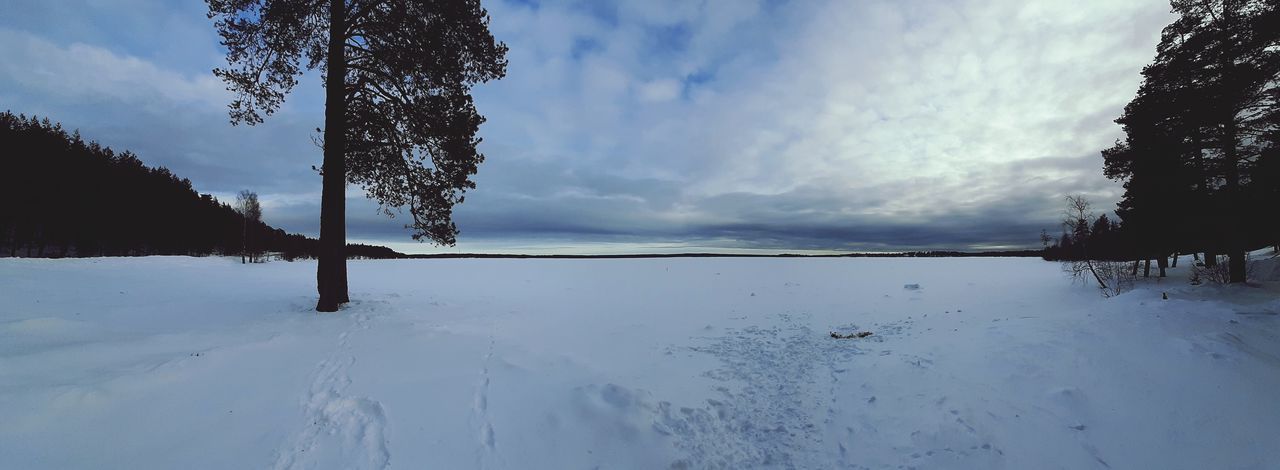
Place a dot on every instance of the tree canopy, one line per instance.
(410, 122)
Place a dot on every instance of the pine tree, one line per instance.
(1199, 131)
(68, 197)
(399, 118)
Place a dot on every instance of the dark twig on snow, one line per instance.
(860, 334)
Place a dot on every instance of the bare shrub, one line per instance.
(1111, 277)
(1116, 277)
(1219, 273)
(1080, 270)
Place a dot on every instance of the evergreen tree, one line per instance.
(1200, 132)
(67, 197)
(399, 118)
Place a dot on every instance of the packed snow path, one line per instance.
(173, 362)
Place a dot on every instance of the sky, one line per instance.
(660, 125)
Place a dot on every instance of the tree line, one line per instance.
(65, 197)
(1200, 159)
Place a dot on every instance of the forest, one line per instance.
(66, 197)
(1200, 160)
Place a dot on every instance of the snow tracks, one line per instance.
(486, 451)
(338, 427)
(777, 390)
(778, 396)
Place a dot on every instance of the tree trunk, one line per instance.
(1231, 161)
(331, 270)
(1096, 277)
(1174, 264)
(1163, 263)
(1210, 259)
(244, 237)
(1135, 268)
(1236, 265)
(1146, 268)
(1235, 232)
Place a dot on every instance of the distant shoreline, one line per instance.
(906, 254)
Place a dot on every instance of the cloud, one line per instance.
(168, 117)
(660, 90)
(901, 115)
(832, 124)
(80, 71)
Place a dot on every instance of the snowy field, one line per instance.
(173, 362)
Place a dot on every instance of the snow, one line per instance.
(174, 362)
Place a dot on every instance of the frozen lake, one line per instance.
(174, 362)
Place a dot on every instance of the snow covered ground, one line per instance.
(173, 362)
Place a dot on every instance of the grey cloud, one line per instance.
(869, 125)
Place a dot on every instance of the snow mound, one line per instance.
(1267, 268)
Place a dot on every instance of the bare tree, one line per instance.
(250, 211)
(1113, 277)
(1076, 219)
